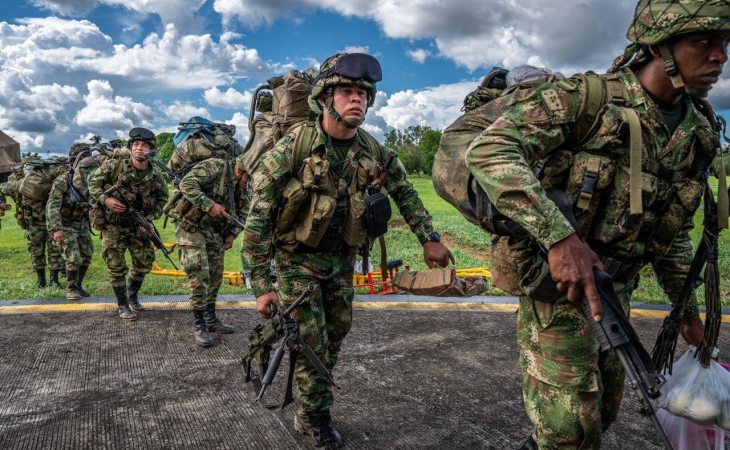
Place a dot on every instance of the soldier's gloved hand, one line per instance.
(217, 211)
(263, 304)
(59, 237)
(114, 205)
(571, 264)
(228, 242)
(436, 254)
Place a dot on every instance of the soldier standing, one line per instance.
(145, 189)
(571, 393)
(330, 178)
(209, 195)
(67, 219)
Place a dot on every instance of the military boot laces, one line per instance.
(53, 281)
(41, 283)
(213, 323)
(319, 426)
(124, 312)
(529, 444)
(132, 289)
(202, 337)
(72, 291)
(80, 280)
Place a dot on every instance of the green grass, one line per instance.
(469, 245)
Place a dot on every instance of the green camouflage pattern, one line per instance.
(268, 185)
(324, 319)
(557, 350)
(200, 245)
(657, 20)
(321, 84)
(115, 241)
(73, 219)
(11, 189)
(40, 242)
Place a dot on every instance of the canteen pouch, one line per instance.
(377, 214)
(311, 228)
(293, 196)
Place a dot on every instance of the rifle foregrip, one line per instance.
(609, 332)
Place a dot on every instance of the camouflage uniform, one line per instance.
(572, 393)
(73, 219)
(10, 189)
(325, 319)
(147, 192)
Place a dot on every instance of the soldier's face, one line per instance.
(140, 149)
(350, 101)
(700, 57)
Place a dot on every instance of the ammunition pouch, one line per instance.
(682, 205)
(97, 217)
(293, 197)
(310, 230)
(353, 231)
(589, 176)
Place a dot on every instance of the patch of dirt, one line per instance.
(476, 253)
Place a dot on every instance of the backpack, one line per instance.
(285, 105)
(38, 178)
(199, 139)
(451, 178)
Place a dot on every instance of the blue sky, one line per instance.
(73, 68)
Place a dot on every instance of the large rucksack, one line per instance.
(451, 178)
(199, 139)
(38, 178)
(282, 103)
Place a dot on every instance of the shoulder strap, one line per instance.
(718, 124)
(302, 145)
(592, 103)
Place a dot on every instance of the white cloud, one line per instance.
(355, 49)
(104, 111)
(180, 111)
(241, 123)
(436, 107)
(419, 55)
(28, 142)
(229, 99)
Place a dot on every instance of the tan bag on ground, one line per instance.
(439, 283)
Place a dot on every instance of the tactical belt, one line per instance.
(339, 249)
(621, 271)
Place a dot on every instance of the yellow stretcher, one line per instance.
(234, 278)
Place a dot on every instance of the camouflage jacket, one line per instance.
(534, 126)
(60, 210)
(204, 185)
(148, 194)
(269, 180)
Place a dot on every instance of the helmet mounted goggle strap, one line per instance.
(356, 66)
(141, 134)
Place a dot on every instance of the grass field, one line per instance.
(469, 245)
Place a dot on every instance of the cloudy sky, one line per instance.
(73, 68)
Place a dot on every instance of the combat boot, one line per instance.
(41, 283)
(80, 280)
(213, 323)
(202, 337)
(319, 426)
(124, 312)
(529, 444)
(53, 281)
(72, 291)
(132, 289)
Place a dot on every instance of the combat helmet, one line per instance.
(655, 21)
(77, 149)
(141, 134)
(358, 69)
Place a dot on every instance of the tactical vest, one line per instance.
(132, 189)
(595, 174)
(73, 211)
(323, 210)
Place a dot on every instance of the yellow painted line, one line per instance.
(426, 306)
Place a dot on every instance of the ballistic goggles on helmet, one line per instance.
(355, 66)
(139, 133)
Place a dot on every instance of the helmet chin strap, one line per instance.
(351, 124)
(670, 66)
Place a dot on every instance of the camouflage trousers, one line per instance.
(115, 241)
(78, 247)
(202, 256)
(39, 242)
(571, 391)
(324, 320)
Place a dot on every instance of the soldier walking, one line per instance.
(315, 235)
(144, 188)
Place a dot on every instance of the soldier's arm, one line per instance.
(267, 183)
(408, 202)
(197, 181)
(161, 195)
(97, 182)
(529, 129)
(55, 200)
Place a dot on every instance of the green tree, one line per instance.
(165, 146)
(416, 147)
(95, 139)
(429, 145)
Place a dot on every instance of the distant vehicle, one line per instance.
(9, 156)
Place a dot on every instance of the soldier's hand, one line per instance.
(571, 264)
(263, 304)
(217, 211)
(59, 237)
(115, 205)
(228, 243)
(436, 254)
(692, 330)
(4, 207)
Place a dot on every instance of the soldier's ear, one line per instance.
(654, 51)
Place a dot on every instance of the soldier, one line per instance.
(677, 53)
(3, 205)
(33, 198)
(209, 195)
(145, 189)
(333, 159)
(10, 189)
(67, 220)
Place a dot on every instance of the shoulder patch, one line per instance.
(552, 101)
(271, 163)
(261, 180)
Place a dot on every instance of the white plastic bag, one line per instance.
(687, 435)
(699, 394)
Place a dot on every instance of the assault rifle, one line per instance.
(613, 332)
(176, 179)
(262, 340)
(139, 221)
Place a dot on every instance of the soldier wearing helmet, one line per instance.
(563, 135)
(144, 188)
(307, 207)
